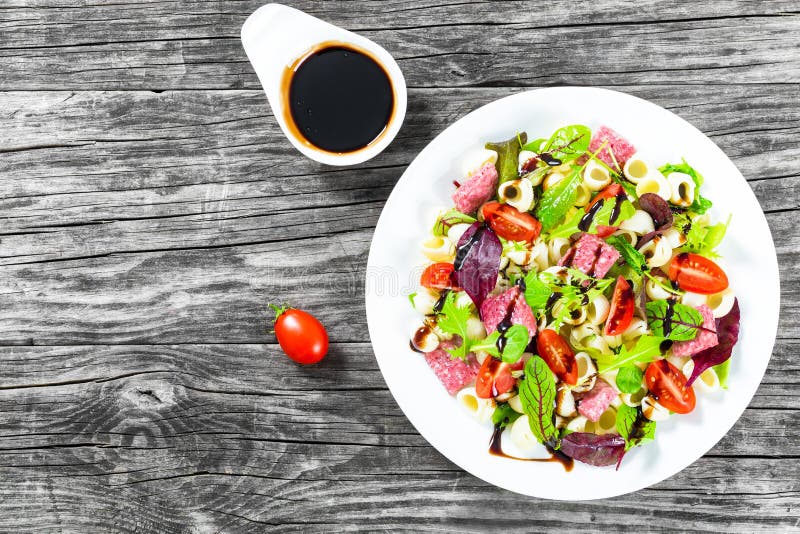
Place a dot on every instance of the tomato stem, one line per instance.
(279, 310)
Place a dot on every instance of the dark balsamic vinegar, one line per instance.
(340, 99)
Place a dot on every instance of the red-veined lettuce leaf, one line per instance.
(477, 262)
(728, 334)
(594, 449)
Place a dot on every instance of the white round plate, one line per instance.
(395, 263)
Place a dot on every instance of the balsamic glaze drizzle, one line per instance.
(496, 449)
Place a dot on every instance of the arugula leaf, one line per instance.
(632, 257)
(537, 293)
(699, 204)
(453, 320)
(557, 200)
(629, 379)
(626, 185)
(516, 339)
(647, 349)
(537, 393)
(635, 429)
(508, 156)
(685, 321)
(569, 143)
(448, 219)
(570, 226)
(504, 415)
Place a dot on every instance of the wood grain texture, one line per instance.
(151, 208)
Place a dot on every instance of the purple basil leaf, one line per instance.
(593, 449)
(658, 209)
(477, 262)
(728, 334)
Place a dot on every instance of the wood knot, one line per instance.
(150, 394)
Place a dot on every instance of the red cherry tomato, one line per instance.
(510, 223)
(611, 191)
(668, 386)
(494, 378)
(698, 274)
(558, 355)
(301, 336)
(604, 231)
(622, 305)
(438, 276)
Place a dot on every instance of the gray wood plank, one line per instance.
(436, 52)
(129, 429)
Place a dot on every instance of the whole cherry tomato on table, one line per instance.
(301, 336)
(668, 385)
(697, 274)
(510, 223)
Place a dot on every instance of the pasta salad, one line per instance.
(573, 294)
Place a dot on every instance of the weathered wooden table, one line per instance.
(151, 208)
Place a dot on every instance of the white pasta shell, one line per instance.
(437, 248)
(574, 316)
(652, 410)
(633, 399)
(637, 328)
(675, 237)
(552, 179)
(521, 435)
(656, 183)
(579, 424)
(595, 176)
(565, 402)
(587, 373)
(480, 409)
(655, 291)
(516, 404)
(583, 195)
(629, 236)
(607, 422)
(707, 382)
(540, 255)
(475, 328)
(524, 156)
(640, 223)
(657, 252)
(424, 300)
(517, 193)
(455, 232)
(597, 310)
(693, 299)
(721, 303)
(557, 247)
(681, 189)
(636, 169)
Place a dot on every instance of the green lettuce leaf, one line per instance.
(508, 157)
(537, 393)
(537, 293)
(569, 143)
(570, 226)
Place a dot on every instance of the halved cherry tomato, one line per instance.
(604, 231)
(611, 191)
(301, 336)
(621, 313)
(510, 223)
(668, 385)
(697, 274)
(438, 276)
(558, 355)
(494, 378)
